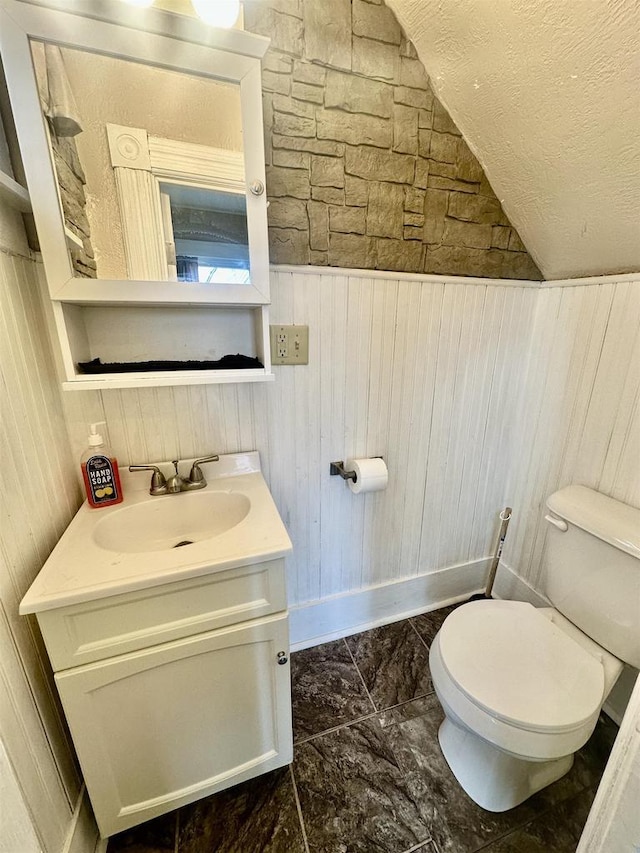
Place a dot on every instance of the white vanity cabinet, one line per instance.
(182, 689)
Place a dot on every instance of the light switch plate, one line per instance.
(289, 344)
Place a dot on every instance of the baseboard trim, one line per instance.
(349, 613)
(83, 835)
(510, 586)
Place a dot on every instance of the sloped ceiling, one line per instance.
(547, 95)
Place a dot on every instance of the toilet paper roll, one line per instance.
(371, 475)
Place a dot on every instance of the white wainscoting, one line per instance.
(421, 370)
(39, 498)
(581, 408)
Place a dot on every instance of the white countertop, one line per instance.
(79, 570)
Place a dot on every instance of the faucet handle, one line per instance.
(158, 482)
(196, 475)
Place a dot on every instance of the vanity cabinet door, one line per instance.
(161, 727)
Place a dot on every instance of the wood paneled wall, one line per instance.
(424, 372)
(581, 411)
(39, 496)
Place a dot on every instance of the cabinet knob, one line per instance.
(282, 658)
(256, 187)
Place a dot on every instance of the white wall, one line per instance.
(39, 495)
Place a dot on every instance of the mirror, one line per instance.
(149, 166)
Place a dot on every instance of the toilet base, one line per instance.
(495, 780)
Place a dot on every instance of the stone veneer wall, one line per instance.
(71, 183)
(365, 168)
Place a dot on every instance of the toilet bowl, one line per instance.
(521, 689)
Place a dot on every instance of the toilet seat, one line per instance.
(519, 667)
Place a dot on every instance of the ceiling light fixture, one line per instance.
(218, 13)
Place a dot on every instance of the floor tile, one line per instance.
(456, 822)
(326, 688)
(258, 816)
(154, 836)
(354, 796)
(394, 663)
(428, 624)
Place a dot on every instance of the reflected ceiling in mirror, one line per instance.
(138, 150)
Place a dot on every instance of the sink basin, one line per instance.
(171, 521)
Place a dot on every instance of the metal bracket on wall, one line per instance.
(336, 468)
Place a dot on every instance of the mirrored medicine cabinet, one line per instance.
(142, 142)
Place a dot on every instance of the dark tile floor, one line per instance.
(368, 775)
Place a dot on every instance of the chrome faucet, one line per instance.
(176, 483)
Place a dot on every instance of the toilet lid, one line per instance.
(520, 667)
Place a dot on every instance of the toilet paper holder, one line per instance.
(337, 468)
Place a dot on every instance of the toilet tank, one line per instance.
(592, 568)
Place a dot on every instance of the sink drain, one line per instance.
(184, 542)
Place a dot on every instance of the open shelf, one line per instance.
(14, 193)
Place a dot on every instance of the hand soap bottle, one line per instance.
(100, 471)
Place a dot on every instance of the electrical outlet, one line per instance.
(289, 344)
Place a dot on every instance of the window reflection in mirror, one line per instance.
(209, 233)
(162, 195)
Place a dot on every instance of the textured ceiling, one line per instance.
(547, 94)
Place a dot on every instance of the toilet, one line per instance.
(522, 687)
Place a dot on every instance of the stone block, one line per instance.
(327, 30)
(374, 58)
(399, 255)
(519, 265)
(374, 165)
(442, 121)
(469, 234)
(347, 220)
(330, 195)
(314, 146)
(515, 243)
(287, 182)
(407, 49)
(306, 72)
(292, 106)
(288, 246)
(327, 171)
(425, 119)
(287, 213)
(358, 94)
(445, 170)
(409, 232)
(287, 125)
(485, 188)
(460, 260)
(67, 149)
(412, 74)
(405, 129)
(285, 31)
(376, 22)
(435, 182)
(421, 179)
(469, 169)
(424, 142)
(500, 237)
(385, 212)
(420, 98)
(435, 211)
(444, 147)
(414, 200)
(318, 259)
(356, 191)
(351, 250)
(306, 92)
(474, 208)
(291, 159)
(277, 62)
(318, 225)
(288, 7)
(415, 219)
(272, 82)
(354, 129)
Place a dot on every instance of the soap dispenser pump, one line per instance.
(100, 471)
